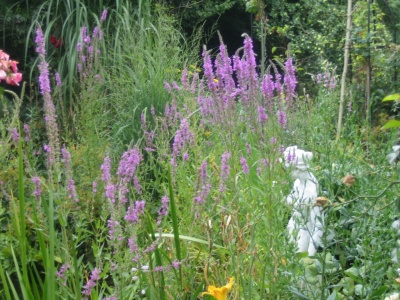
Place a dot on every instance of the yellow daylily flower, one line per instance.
(219, 293)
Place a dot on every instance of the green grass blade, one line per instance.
(158, 259)
(5, 284)
(174, 222)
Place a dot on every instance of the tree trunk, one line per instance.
(345, 66)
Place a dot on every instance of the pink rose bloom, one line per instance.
(3, 75)
(14, 78)
(3, 55)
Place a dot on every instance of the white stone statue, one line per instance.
(396, 250)
(306, 225)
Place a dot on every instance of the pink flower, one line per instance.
(3, 55)
(8, 69)
(14, 78)
(3, 75)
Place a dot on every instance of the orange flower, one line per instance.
(219, 293)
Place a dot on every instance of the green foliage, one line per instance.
(50, 245)
(198, 12)
(146, 49)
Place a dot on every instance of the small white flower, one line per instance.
(393, 297)
(145, 268)
(135, 278)
(393, 156)
(143, 292)
(133, 269)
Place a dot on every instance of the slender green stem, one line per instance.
(22, 226)
(174, 222)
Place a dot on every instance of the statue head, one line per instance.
(297, 158)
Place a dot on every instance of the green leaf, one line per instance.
(332, 296)
(394, 97)
(353, 273)
(298, 294)
(302, 254)
(1, 90)
(398, 204)
(273, 50)
(392, 124)
(379, 292)
(187, 238)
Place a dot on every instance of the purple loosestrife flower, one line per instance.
(226, 83)
(225, 170)
(245, 167)
(27, 133)
(15, 135)
(61, 273)
(176, 86)
(133, 213)
(94, 187)
(203, 171)
(38, 191)
(248, 149)
(96, 32)
(290, 80)
(167, 87)
(209, 72)
(207, 109)
(112, 225)
(349, 108)
(128, 164)
(205, 186)
(103, 15)
(106, 168)
(110, 190)
(151, 248)
(194, 82)
(133, 246)
(202, 195)
(182, 137)
(126, 172)
(332, 83)
(250, 66)
(94, 277)
(278, 84)
(282, 120)
(176, 264)
(267, 88)
(163, 211)
(71, 190)
(262, 116)
(318, 78)
(106, 178)
(58, 79)
(45, 90)
(66, 159)
(185, 79)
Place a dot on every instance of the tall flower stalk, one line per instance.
(49, 108)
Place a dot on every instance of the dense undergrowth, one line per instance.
(162, 176)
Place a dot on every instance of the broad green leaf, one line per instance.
(392, 124)
(187, 238)
(332, 296)
(353, 273)
(273, 50)
(379, 292)
(298, 294)
(394, 97)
